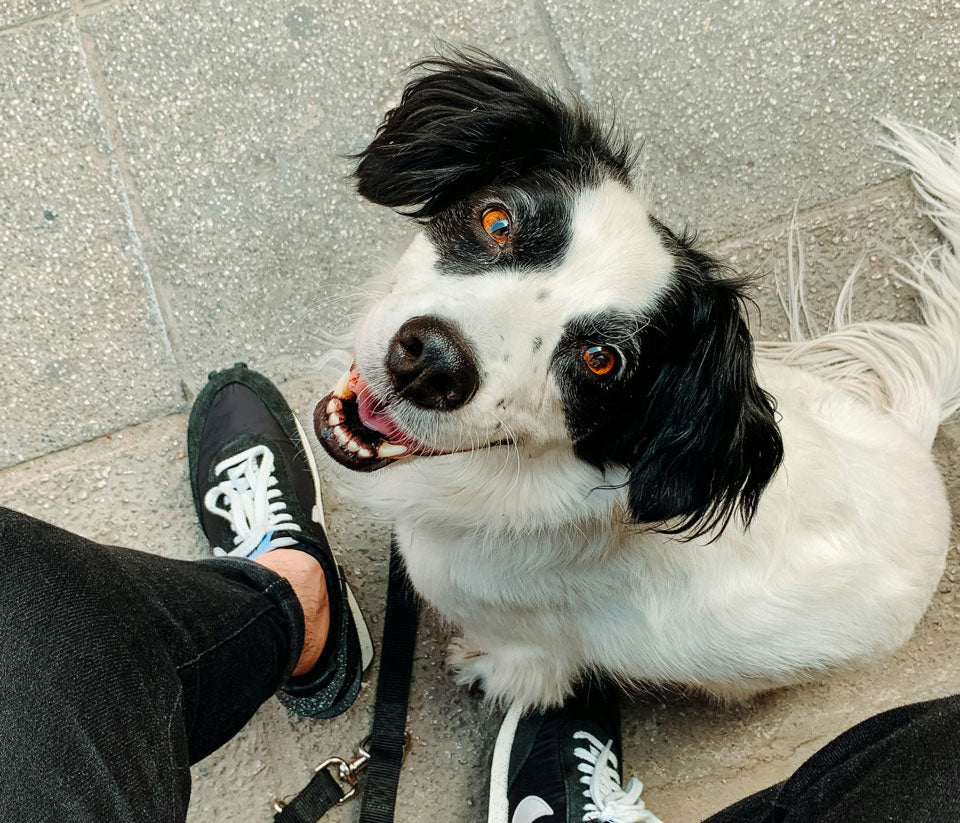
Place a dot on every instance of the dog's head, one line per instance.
(542, 310)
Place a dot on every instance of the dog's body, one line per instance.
(833, 569)
(690, 515)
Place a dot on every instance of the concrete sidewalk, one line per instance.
(173, 197)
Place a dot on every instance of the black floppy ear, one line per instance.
(708, 442)
(472, 121)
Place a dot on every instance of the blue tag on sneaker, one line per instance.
(262, 547)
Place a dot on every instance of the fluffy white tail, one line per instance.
(911, 370)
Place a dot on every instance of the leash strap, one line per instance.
(388, 738)
(383, 752)
(320, 795)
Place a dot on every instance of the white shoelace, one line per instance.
(609, 803)
(252, 505)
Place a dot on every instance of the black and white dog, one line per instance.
(559, 404)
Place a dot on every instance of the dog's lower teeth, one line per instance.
(353, 446)
(332, 407)
(342, 435)
(335, 419)
(391, 450)
(365, 453)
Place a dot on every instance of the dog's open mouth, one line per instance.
(355, 431)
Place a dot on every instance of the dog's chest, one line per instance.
(472, 581)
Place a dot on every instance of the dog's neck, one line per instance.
(497, 494)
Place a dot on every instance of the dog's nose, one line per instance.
(431, 364)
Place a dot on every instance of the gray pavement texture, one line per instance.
(15, 12)
(83, 346)
(173, 197)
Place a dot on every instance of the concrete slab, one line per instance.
(128, 488)
(234, 120)
(83, 348)
(873, 232)
(14, 12)
(747, 109)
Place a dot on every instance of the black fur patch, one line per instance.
(471, 122)
(541, 211)
(684, 412)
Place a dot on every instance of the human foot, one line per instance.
(256, 491)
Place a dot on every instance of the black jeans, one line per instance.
(119, 669)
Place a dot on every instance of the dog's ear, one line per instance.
(708, 441)
(472, 121)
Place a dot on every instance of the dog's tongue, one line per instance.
(372, 417)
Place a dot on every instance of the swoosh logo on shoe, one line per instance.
(531, 808)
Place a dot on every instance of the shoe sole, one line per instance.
(498, 805)
(363, 632)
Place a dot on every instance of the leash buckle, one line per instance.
(348, 771)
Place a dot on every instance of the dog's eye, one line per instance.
(601, 360)
(496, 223)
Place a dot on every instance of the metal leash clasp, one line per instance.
(349, 770)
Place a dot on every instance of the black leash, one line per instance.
(382, 753)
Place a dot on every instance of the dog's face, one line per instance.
(541, 311)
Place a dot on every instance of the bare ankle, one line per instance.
(305, 577)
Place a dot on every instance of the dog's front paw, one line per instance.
(460, 653)
(510, 673)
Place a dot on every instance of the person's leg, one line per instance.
(118, 669)
(900, 765)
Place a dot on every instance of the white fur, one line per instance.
(527, 548)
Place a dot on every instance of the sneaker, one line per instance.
(255, 487)
(562, 765)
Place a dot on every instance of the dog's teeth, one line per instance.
(335, 419)
(342, 389)
(331, 407)
(365, 453)
(353, 446)
(342, 435)
(391, 450)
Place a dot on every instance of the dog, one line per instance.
(590, 464)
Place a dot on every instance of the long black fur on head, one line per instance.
(686, 416)
(473, 121)
(696, 431)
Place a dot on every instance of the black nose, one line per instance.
(431, 364)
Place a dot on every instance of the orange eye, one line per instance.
(496, 223)
(601, 360)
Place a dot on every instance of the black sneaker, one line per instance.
(562, 765)
(256, 488)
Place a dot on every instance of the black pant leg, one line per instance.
(903, 764)
(118, 669)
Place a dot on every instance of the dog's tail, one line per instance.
(911, 370)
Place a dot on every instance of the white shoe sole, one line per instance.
(498, 806)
